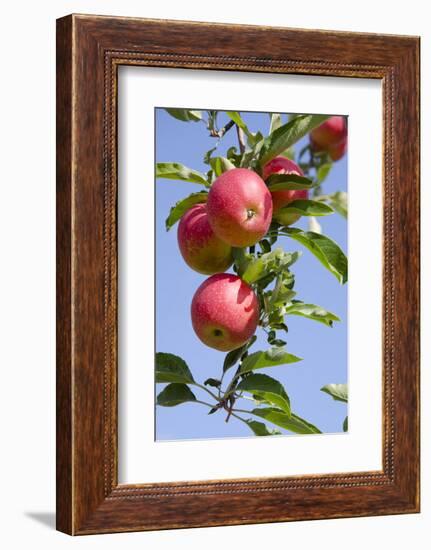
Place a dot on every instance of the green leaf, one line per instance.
(324, 249)
(338, 201)
(175, 394)
(212, 121)
(236, 117)
(273, 232)
(181, 207)
(185, 115)
(310, 311)
(346, 424)
(338, 392)
(288, 182)
(265, 246)
(263, 282)
(255, 141)
(323, 172)
(275, 122)
(289, 153)
(176, 171)
(220, 165)
(254, 271)
(270, 358)
(292, 422)
(171, 368)
(270, 262)
(279, 343)
(235, 355)
(259, 428)
(308, 208)
(234, 156)
(241, 259)
(279, 326)
(248, 160)
(267, 388)
(207, 156)
(282, 292)
(271, 335)
(288, 134)
(212, 382)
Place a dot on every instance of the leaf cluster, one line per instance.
(270, 399)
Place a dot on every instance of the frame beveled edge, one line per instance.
(89, 499)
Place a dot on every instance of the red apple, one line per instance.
(201, 249)
(337, 151)
(282, 165)
(225, 312)
(239, 207)
(329, 136)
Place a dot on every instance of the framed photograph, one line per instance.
(237, 274)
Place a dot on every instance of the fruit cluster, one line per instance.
(250, 199)
(238, 213)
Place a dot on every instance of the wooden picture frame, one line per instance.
(89, 51)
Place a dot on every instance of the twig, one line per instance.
(242, 411)
(225, 129)
(213, 395)
(241, 139)
(239, 418)
(203, 403)
(230, 407)
(232, 386)
(220, 133)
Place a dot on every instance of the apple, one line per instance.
(225, 312)
(239, 207)
(331, 136)
(280, 199)
(201, 249)
(337, 151)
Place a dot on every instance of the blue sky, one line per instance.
(323, 349)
